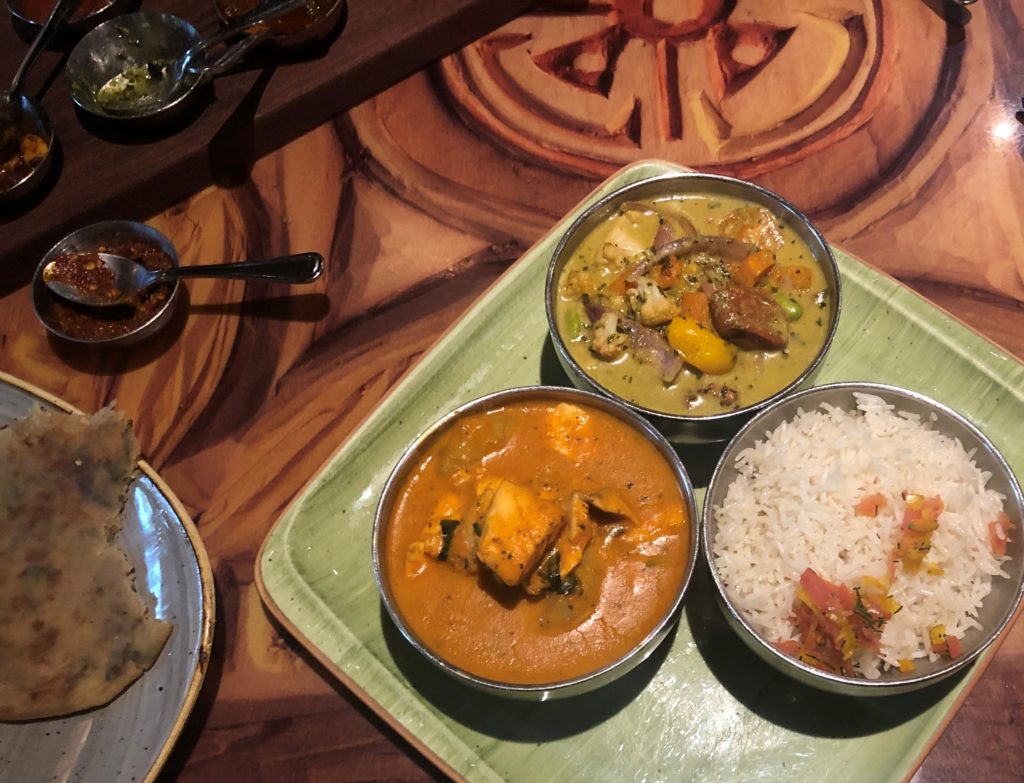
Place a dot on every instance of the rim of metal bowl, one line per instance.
(318, 29)
(575, 685)
(126, 229)
(680, 184)
(889, 683)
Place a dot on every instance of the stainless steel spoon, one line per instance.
(61, 10)
(130, 277)
(250, 23)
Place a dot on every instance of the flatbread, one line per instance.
(74, 632)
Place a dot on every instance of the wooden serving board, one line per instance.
(107, 173)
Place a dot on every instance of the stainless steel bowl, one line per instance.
(326, 23)
(575, 685)
(998, 608)
(27, 116)
(90, 238)
(680, 428)
(133, 41)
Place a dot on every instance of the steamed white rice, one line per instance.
(792, 507)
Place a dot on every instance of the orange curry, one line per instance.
(536, 542)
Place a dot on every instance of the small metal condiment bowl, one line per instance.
(30, 118)
(317, 31)
(999, 606)
(571, 686)
(132, 40)
(680, 428)
(90, 238)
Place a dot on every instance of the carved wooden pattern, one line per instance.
(747, 88)
(894, 128)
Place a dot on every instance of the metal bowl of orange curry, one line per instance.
(537, 542)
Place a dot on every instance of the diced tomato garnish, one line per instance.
(788, 646)
(945, 643)
(869, 505)
(834, 621)
(954, 646)
(999, 533)
(826, 594)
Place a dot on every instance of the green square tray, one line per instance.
(702, 707)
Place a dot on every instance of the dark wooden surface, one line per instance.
(109, 172)
(419, 198)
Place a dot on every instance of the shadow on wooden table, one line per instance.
(99, 360)
(301, 308)
(509, 719)
(781, 700)
(951, 11)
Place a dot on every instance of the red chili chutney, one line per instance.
(295, 21)
(84, 270)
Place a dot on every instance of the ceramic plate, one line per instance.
(703, 707)
(129, 739)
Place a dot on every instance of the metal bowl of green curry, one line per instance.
(694, 299)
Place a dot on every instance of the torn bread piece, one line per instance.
(74, 631)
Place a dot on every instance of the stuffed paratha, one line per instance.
(74, 632)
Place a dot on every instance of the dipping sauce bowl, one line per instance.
(116, 72)
(109, 326)
(296, 29)
(26, 149)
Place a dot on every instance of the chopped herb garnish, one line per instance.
(859, 609)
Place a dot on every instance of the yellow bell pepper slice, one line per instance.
(700, 346)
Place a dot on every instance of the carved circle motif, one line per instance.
(744, 86)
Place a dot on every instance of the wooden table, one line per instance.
(278, 92)
(899, 131)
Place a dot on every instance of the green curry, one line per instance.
(693, 305)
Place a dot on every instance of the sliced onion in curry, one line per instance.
(648, 345)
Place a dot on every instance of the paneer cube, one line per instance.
(569, 430)
(633, 231)
(516, 529)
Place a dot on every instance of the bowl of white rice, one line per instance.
(865, 539)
